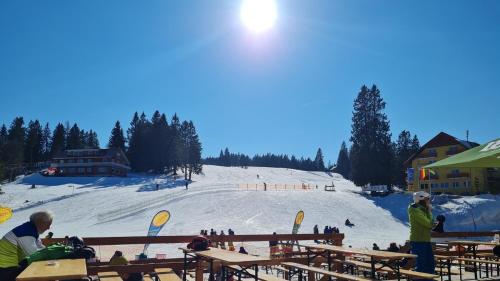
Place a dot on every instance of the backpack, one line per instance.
(199, 243)
(52, 252)
(496, 251)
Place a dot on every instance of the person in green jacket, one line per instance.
(421, 223)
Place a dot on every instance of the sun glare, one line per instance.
(258, 15)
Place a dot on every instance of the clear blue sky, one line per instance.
(287, 90)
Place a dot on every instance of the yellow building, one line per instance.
(453, 181)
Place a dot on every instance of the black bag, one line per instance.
(496, 251)
(199, 243)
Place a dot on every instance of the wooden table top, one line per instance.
(371, 253)
(228, 257)
(54, 270)
(473, 243)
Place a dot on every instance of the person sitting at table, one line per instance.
(375, 247)
(119, 259)
(242, 251)
(22, 241)
(393, 247)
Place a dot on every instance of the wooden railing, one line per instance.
(129, 240)
(465, 234)
(149, 265)
(457, 175)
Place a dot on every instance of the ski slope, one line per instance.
(95, 206)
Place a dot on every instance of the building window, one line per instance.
(455, 172)
(61, 161)
(456, 184)
(71, 170)
(89, 170)
(80, 160)
(81, 170)
(102, 169)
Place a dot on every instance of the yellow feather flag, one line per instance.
(5, 214)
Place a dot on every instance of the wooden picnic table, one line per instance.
(375, 256)
(54, 270)
(472, 247)
(226, 258)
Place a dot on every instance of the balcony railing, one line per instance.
(428, 155)
(453, 152)
(457, 175)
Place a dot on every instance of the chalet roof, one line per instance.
(441, 139)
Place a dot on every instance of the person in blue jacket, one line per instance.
(21, 242)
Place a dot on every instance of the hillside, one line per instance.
(124, 206)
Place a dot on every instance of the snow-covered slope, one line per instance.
(124, 206)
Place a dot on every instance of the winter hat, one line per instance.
(419, 196)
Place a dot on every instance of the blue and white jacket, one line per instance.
(18, 243)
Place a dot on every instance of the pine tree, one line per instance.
(3, 141)
(403, 151)
(133, 141)
(14, 148)
(33, 146)
(74, 139)
(58, 140)
(318, 161)
(91, 140)
(194, 151)
(117, 139)
(343, 162)
(46, 136)
(371, 151)
(184, 148)
(175, 148)
(415, 145)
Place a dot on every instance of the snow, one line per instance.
(101, 206)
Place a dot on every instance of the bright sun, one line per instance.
(258, 15)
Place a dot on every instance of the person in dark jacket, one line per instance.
(242, 251)
(316, 231)
(375, 247)
(439, 226)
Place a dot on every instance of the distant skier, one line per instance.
(265, 187)
(187, 185)
(316, 231)
(258, 176)
(348, 223)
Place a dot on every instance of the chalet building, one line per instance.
(443, 180)
(90, 162)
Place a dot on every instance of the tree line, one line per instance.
(151, 145)
(373, 157)
(229, 159)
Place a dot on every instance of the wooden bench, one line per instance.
(378, 268)
(341, 276)
(363, 265)
(167, 274)
(262, 276)
(109, 276)
(479, 261)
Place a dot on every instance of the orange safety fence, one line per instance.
(277, 186)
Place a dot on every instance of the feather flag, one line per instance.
(426, 173)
